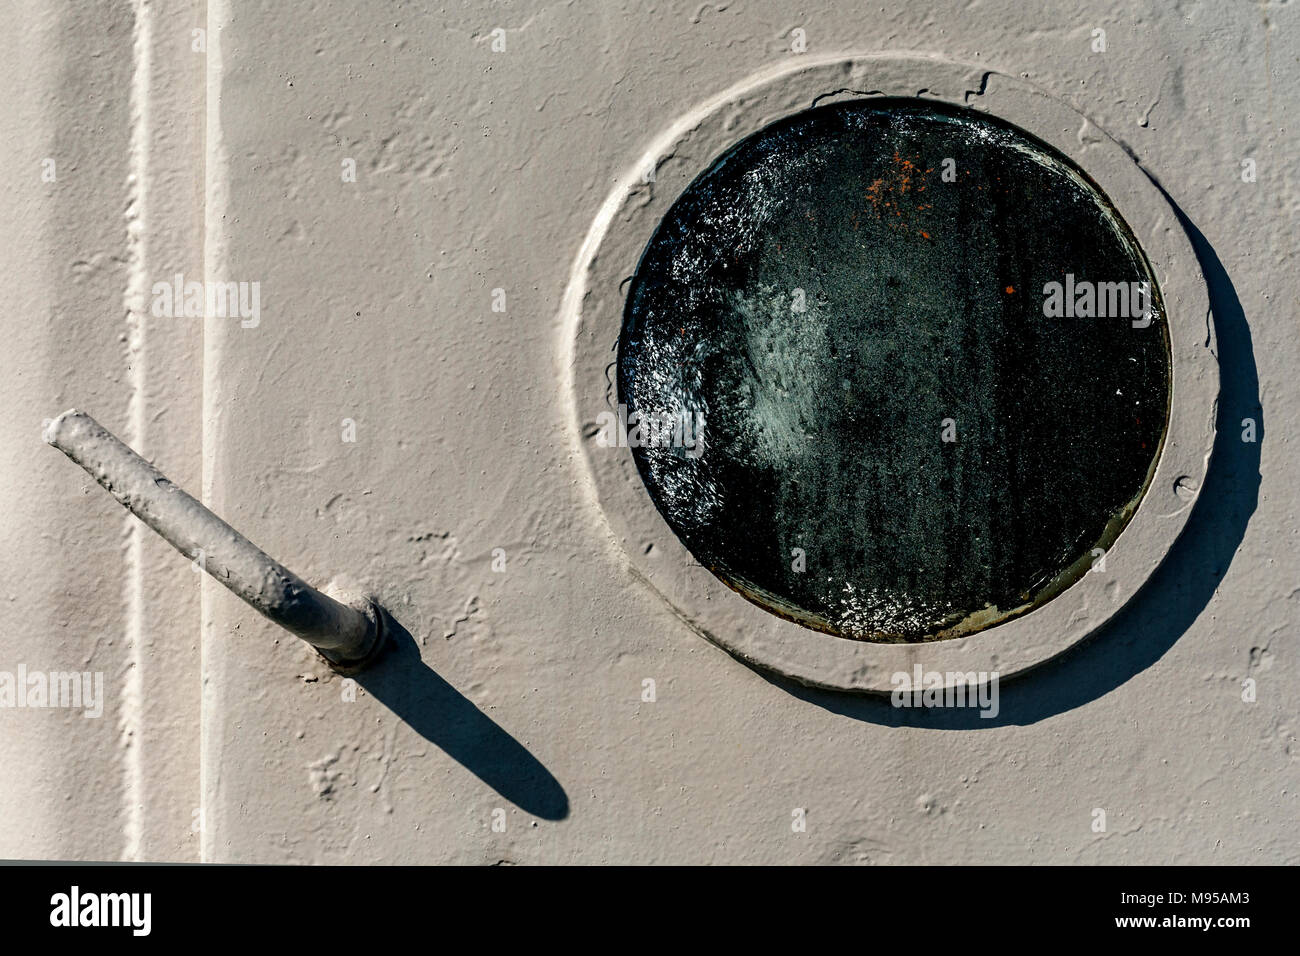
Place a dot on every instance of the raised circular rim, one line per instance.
(592, 316)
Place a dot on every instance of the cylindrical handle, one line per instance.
(347, 635)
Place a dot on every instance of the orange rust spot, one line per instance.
(887, 191)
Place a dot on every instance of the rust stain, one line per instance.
(904, 179)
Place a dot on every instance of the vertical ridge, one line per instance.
(213, 254)
(136, 297)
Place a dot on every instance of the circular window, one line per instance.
(894, 370)
(869, 382)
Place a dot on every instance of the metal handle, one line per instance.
(348, 635)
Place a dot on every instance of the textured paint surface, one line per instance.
(851, 302)
(480, 170)
(113, 101)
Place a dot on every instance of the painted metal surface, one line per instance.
(560, 710)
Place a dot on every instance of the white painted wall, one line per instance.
(521, 690)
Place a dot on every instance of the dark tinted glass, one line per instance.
(907, 433)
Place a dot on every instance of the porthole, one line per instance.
(908, 370)
(893, 375)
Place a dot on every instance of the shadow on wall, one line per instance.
(445, 717)
(1175, 594)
